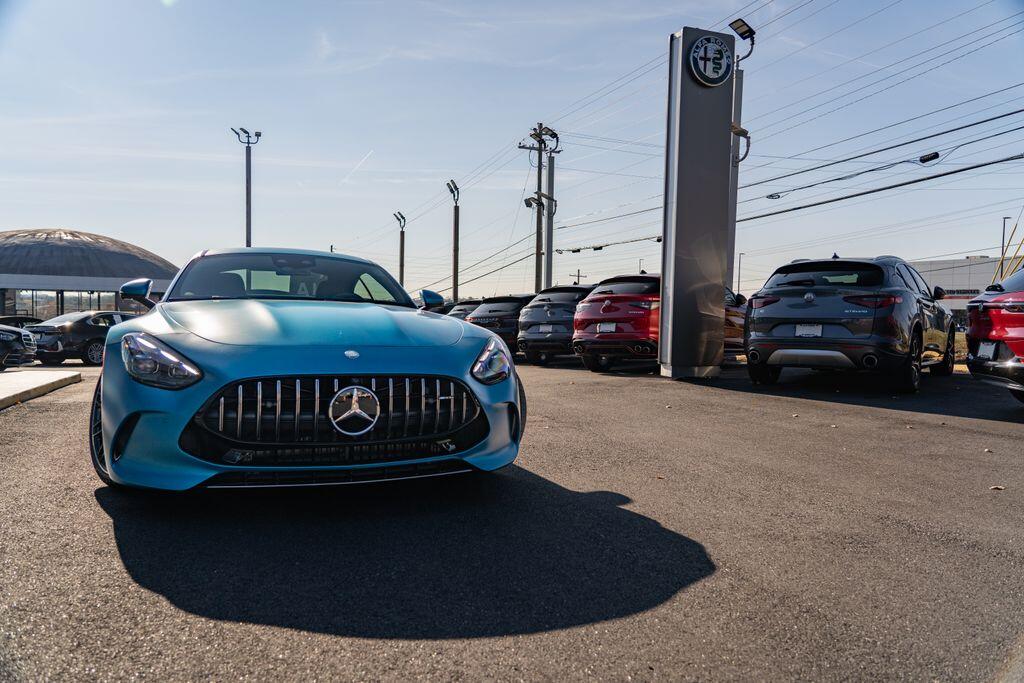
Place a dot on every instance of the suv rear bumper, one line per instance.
(637, 348)
(1006, 374)
(840, 355)
(551, 343)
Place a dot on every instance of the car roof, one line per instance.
(470, 302)
(636, 277)
(853, 259)
(567, 288)
(281, 250)
(505, 298)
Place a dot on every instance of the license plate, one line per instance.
(544, 328)
(606, 327)
(808, 330)
(987, 350)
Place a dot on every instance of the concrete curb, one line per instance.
(37, 389)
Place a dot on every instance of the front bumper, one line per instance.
(142, 425)
(870, 355)
(16, 357)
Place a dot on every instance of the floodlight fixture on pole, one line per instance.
(250, 140)
(746, 32)
(401, 246)
(453, 188)
(740, 132)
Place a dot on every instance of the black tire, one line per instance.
(92, 354)
(764, 374)
(537, 357)
(596, 363)
(945, 368)
(1017, 394)
(51, 362)
(97, 455)
(908, 377)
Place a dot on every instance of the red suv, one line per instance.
(995, 338)
(621, 319)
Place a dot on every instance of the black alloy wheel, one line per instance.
(97, 454)
(945, 368)
(93, 354)
(908, 378)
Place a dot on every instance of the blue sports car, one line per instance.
(276, 367)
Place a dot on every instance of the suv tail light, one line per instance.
(649, 305)
(874, 300)
(762, 301)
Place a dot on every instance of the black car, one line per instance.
(20, 321)
(17, 347)
(872, 314)
(464, 308)
(995, 338)
(545, 324)
(75, 335)
(500, 314)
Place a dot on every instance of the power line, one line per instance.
(883, 189)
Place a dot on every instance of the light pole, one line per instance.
(454, 190)
(1002, 253)
(539, 135)
(249, 141)
(739, 273)
(401, 246)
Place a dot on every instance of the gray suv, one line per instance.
(871, 314)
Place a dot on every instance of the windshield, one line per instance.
(66, 318)
(286, 276)
(640, 286)
(561, 296)
(826, 274)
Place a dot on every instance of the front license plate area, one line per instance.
(987, 350)
(606, 327)
(544, 328)
(808, 330)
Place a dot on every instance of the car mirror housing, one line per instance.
(938, 293)
(740, 300)
(431, 300)
(138, 290)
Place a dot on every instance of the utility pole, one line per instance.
(739, 273)
(549, 223)
(249, 141)
(454, 190)
(539, 134)
(578, 277)
(1002, 252)
(640, 265)
(401, 246)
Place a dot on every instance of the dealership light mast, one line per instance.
(249, 141)
(453, 188)
(401, 246)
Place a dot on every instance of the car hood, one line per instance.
(252, 322)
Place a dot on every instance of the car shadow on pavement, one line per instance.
(463, 556)
(956, 396)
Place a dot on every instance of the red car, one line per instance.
(621, 318)
(995, 338)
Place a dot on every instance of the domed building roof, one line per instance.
(59, 252)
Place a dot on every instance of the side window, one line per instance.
(920, 282)
(908, 276)
(374, 289)
(101, 320)
(730, 298)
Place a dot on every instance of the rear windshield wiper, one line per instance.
(793, 283)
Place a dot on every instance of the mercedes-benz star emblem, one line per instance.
(354, 410)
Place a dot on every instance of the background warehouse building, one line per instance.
(44, 273)
(963, 279)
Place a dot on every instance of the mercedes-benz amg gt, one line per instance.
(285, 368)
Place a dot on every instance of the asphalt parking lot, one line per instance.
(822, 529)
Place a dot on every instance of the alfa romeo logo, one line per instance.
(710, 61)
(354, 410)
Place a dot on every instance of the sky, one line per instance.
(116, 118)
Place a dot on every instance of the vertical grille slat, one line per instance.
(409, 407)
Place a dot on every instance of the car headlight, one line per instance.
(493, 364)
(7, 336)
(152, 362)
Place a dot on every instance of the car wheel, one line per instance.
(537, 357)
(1018, 394)
(93, 354)
(96, 452)
(945, 368)
(596, 363)
(908, 378)
(51, 361)
(764, 374)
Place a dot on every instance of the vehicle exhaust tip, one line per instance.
(754, 356)
(870, 361)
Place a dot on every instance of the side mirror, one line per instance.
(741, 300)
(938, 293)
(431, 300)
(138, 290)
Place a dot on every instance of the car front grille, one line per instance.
(285, 421)
(28, 341)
